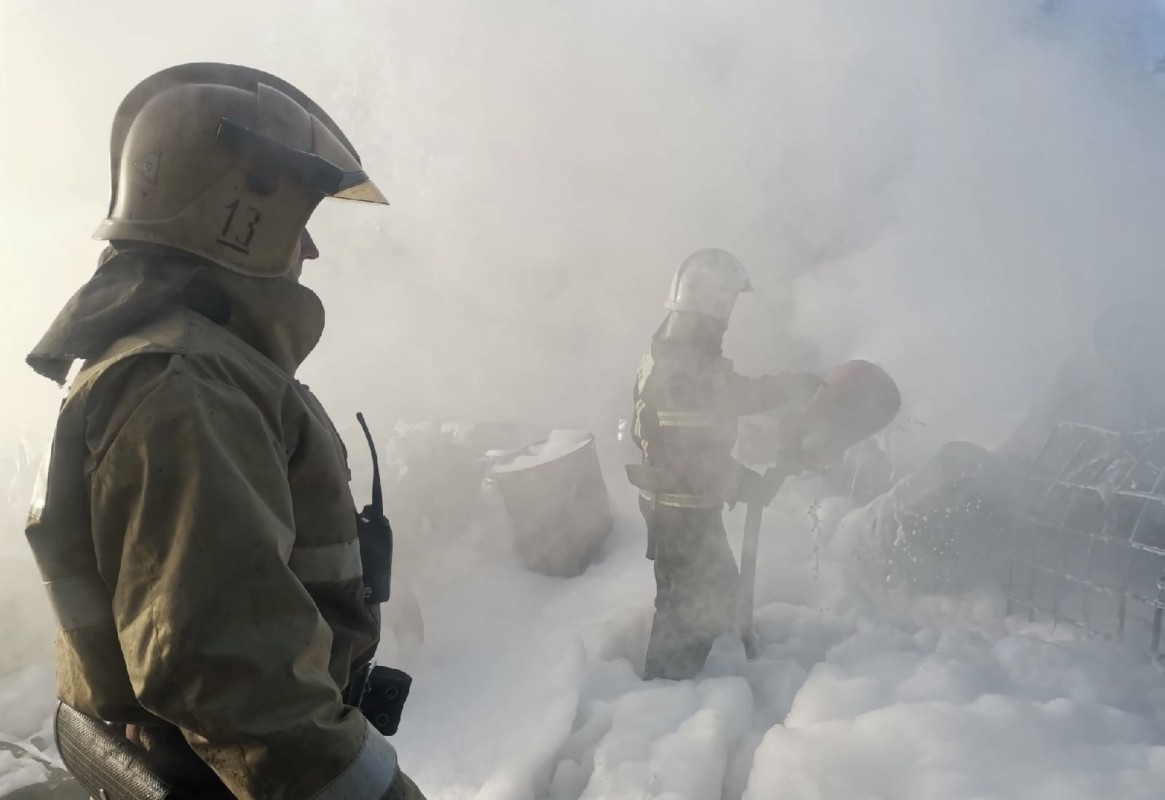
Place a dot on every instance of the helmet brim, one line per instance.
(363, 192)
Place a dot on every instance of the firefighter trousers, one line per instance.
(696, 587)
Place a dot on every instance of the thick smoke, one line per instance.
(953, 189)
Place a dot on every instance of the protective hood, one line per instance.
(281, 319)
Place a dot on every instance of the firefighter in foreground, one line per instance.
(687, 400)
(196, 532)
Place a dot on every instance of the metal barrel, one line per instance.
(557, 502)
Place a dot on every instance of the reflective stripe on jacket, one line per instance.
(687, 402)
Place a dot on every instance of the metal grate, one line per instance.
(1087, 545)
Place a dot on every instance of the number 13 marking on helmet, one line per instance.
(241, 240)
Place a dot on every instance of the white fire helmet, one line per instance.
(707, 283)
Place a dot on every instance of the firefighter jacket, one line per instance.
(687, 400)
(196, 532)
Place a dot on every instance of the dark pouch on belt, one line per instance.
(384, 698)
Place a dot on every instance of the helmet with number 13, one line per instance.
(228, 163)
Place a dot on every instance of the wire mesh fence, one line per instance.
(1077, 538)
(1087, 546)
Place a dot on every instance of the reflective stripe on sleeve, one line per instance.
(327, 563)
(81, 601)
(369, 775)
(686, 419)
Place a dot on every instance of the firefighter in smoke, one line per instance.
(196, 532)
(687, 400)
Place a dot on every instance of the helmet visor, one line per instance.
(318, 170)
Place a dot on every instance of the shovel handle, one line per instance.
(748, 551)
(748, 555)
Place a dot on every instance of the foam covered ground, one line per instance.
(526, 687)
